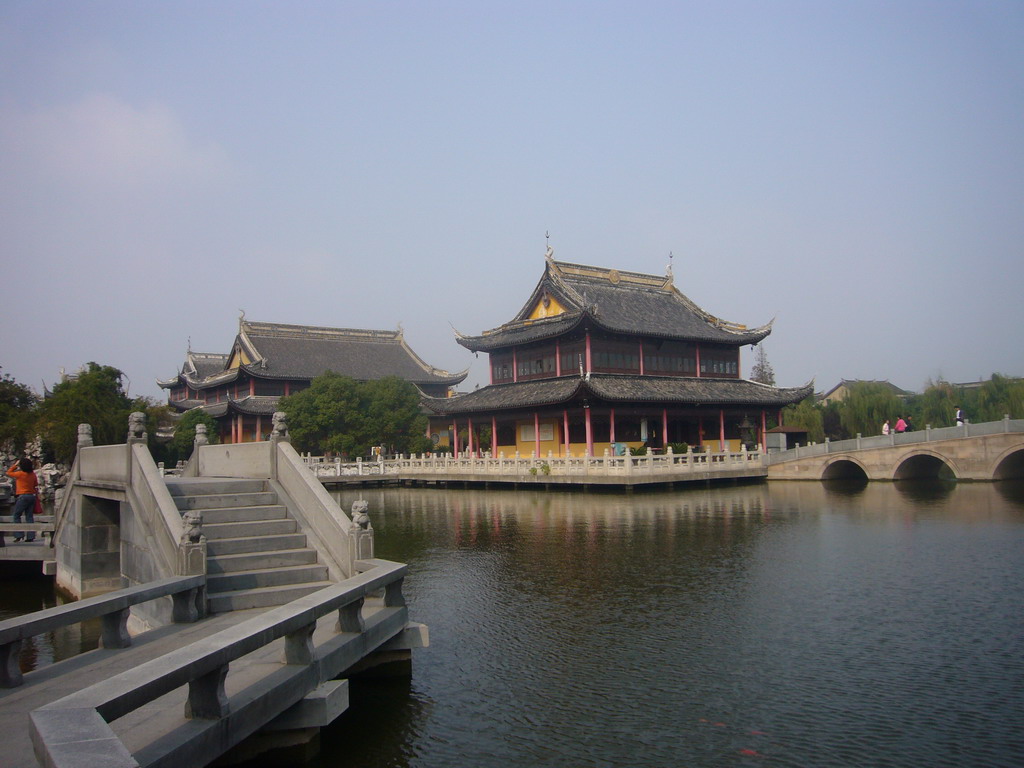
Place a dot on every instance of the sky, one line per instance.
(854, 171)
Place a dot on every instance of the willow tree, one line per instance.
(867, 405)
(807, 415)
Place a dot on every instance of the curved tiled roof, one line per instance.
(616, 301)
(304, 352)
(252, 405)
(289, 352)
(617, 388)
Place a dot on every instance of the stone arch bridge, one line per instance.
(989, 451)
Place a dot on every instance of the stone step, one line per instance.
(241, 514)
(279, 558)
(247, 544)
(207, 486)
(249, 528)
(265, 577)
(219, 501)
(261, 598)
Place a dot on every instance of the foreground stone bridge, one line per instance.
(985, 452)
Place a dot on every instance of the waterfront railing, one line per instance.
(424, 466)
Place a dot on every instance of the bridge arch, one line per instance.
(844, 468)
(919, 465)
(1010, 465)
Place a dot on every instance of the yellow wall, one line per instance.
(540, 310)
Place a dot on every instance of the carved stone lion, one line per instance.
(280, 422)
(359, 516)
(137, 426)
(193, 524)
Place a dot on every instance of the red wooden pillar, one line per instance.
(589, 361)
(494, 436)
(721, 429)
(565, 431)
(259, 429)
(590, 431)
(515, 366)
(764, 432)
(558, 358)
(470, 442)
(641, 357)
(536, 433)
(611, 427)
(455, 438)
(664, 427)
(697, 347)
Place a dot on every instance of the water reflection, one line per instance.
(786, 624)
(26, 591)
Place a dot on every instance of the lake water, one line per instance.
(775, 624)
(780, 624)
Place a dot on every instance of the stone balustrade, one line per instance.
(188, 594)
(370, 610)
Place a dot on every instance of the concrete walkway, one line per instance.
(58, 680)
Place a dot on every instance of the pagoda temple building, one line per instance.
(605, 360)
(270, 360)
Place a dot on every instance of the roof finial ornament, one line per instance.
(241, 319)
(549, 252)
(668, 269)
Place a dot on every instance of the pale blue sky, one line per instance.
(855, 170)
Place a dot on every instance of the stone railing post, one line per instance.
(1006, 422)
(278, 434)
(192, 546)
(201, 438)
(361, 532)
(350, 617)
(206, 696)
(858, 441)
(84, 441)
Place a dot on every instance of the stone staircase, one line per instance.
(256, 557)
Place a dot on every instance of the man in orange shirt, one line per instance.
(26, 486)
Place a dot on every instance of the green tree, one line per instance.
(338, 414)
(180, 446)
(17, 404)
(394, 418)
(94, 397)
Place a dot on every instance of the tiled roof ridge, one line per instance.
(613, 275)
(287, 330)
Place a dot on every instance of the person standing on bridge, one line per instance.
(885, 427)
(26, 487)
(901, 425)
(959, 416)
